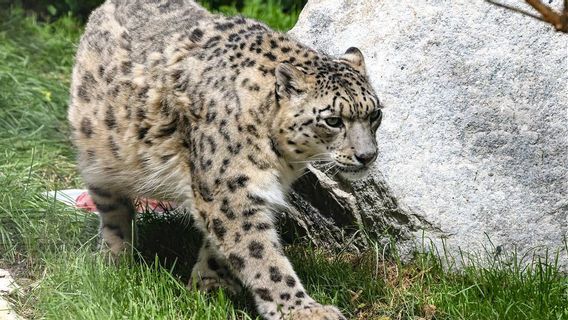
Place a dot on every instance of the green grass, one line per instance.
(35, 155)
(79, 285)
(268, 11)
(53, 246)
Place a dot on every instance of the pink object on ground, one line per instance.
(84, 201)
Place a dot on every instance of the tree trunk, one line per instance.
(340, 215)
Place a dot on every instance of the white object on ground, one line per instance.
(80, 198)
(69, 196)
(7, 287)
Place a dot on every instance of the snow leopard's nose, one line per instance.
(362, 141)
(366, 157)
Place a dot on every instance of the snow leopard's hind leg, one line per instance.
(116, 213)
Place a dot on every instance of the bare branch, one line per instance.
(526, 13)
(558, 20)
(547, 13)
(564, 17)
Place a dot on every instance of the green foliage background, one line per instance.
(80, 9)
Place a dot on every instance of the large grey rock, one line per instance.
(474, 142)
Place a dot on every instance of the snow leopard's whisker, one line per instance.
(320, 166)
(326, 166)
(320, 154)
(312, 161)
(304, 173)
(315, 157)
(331, 168)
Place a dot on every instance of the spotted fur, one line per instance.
(220, 115)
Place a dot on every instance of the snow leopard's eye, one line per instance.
(376, 116)
(334, 122)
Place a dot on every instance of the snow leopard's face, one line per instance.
(330, 113)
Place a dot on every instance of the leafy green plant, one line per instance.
(272, 12)
(279, 12)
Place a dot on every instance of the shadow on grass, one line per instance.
(172, 240)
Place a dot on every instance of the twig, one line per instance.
(547, 14)
(526, 13)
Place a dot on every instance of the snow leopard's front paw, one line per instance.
(209, 284)
(207, 280)
(317, 312)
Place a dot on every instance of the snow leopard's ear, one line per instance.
(290, 80)
(355, 59)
